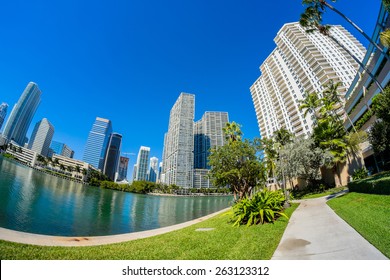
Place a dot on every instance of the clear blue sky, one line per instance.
(128, 60)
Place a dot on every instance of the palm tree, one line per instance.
(385, 38)
(320, 6)
(330, 135)
(309, 104)
(283, 136)
(311, 21)
(232, 132)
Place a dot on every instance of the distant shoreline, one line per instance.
(192, 194)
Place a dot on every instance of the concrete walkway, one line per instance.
(316, 232)
(49, 240)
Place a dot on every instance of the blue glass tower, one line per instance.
(3, 113)
(22, 114)
(112, 156)
(97, 142)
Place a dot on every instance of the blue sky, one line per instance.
(128, 60)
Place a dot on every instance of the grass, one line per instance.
(223, 243)
(319, 194)
(369, 214)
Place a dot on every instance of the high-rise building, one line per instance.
(22, 114)
(301, 63)
(178, 154)
(96, 147)
(122, 169)
(41, 137)
(141, 173)
(3, 113)
(112, 156)
(61, 149)
(208, 133)
(153, 170)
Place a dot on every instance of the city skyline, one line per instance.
(216, 65)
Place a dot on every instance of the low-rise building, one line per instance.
(22, 154)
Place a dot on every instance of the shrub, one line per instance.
(264, 207)
(376, 184)
(360, 173)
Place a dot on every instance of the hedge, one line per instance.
(376, 184)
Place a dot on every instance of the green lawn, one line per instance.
(224, 243)
(369, 214)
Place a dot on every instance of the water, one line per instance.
(35, 202)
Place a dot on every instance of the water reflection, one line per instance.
(35, 202)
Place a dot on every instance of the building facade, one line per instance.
(74, 168)
(41, 137)
(22, 114)
(3, 113)
(122, 169)
(153, 170)
(301, 63)
(22, 154)
(142, 171)
(62, 149)
(361, 92)
(178, 154)
(112, 156)
(208, 134)
(96, 146)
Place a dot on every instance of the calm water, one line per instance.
(35, 202)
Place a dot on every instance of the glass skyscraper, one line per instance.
(208, 133)
(61, 149)
(112, 155)
(3, 113)
(153, 170)
(96, 147)
(41, 137)
(122, 169)
(22, 114)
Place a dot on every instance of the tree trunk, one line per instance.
(337, 171)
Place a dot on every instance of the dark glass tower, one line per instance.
(112, 155)
(22, 114)
(96, 147)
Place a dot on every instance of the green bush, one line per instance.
(376, 184)
(264, 207)
(360, 173)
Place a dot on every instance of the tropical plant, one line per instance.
(264, 207)
(360, 173)
(232, 132)
(385, 38)
(309, 104)
(236, 165)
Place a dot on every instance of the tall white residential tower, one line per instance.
(178, 157)
(301, 63)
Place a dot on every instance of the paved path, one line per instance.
(49, 240)
(316, 232)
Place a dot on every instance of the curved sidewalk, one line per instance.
(50, 240)
(316, 232)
